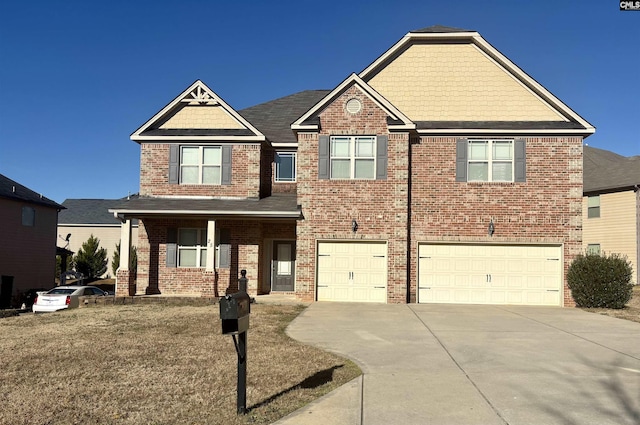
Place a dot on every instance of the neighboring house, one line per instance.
(442, 173)
(611, 205)
(85, 217)
(28, 235)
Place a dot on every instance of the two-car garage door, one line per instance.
(490, 274)
(447, 273)
(352, 271)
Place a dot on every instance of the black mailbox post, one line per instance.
(234, 313)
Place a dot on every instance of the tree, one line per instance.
(133, 260)
(91, 260)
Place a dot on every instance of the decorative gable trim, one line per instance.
(501, 60)
(196, 94)
(397, 121)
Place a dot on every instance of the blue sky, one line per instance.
(78, 77)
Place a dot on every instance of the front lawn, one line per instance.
(156, 364)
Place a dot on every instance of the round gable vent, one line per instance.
(353, 106)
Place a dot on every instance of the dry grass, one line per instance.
(151, 364)
(630, 312)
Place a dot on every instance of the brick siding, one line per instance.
(379, 206)
(245, 174)
(543, 210)
(248, 239)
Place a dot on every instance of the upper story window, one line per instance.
(353, 157)
(491, 160)
(200, 164)
(192, 247)
(593, 206)
(28, 216)
(285, 167)
(206, 165)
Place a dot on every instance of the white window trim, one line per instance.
(293, 155)
(593, 204)
(490, 161)
(593, 249)
(201, 165)
(200, 247)
(352, 157)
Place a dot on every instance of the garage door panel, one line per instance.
(477, 266)
(497, 297)
(352, 271)
(490, 274)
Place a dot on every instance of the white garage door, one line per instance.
(352, 271)
(490, 274)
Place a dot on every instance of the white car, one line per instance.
(63, 297)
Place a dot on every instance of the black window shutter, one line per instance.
(461, 160)
(174, 164)
(520, 157)
(382, 157)
(323, 157)
(172, 247)
(226, 165)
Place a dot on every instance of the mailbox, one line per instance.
(234, 312)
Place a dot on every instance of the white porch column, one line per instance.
(125, 244)
(211, 246)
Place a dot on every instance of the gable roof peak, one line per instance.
(402, 121)
(197, 95)
(440, 29)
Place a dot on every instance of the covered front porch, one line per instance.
(198, 247)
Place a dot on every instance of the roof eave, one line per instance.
(155, 139)
(120, 213)
(480, 131)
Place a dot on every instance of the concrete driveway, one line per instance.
(484, 365)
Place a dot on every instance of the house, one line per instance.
(28, 234)
(85, 217)
(611, 205)
(441, 173)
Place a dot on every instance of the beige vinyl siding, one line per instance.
(445, 82)
(109, 236)
(201, 116)
(616, 228)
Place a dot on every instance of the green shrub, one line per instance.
(600, 280)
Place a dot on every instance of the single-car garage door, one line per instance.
(490, 274)
(352, 271)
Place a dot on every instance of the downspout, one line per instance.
(409, 269)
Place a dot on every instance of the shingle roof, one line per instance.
(604, 170)
(88, 211)
(284, 205)
(10, 189)
(163, 132)
(440, 29)
(274, 118)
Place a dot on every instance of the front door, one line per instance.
(283, 266)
